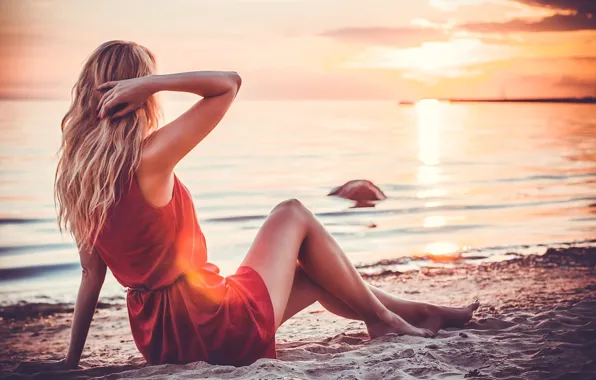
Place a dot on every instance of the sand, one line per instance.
(537, 321)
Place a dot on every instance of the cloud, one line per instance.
(572, 15)
(399, 36)
(583, 58)
(579, 6)
(452, 5)
(555, 23)
(577, 83)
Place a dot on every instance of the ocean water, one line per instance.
(466, 183)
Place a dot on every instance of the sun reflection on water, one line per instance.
(431, 115)
(434, 221)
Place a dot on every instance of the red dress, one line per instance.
(180, 309)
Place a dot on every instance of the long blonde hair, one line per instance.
(99, 157)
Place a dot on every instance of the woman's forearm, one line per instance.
(83, 314)
(203, 83)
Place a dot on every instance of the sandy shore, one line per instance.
(537, 321)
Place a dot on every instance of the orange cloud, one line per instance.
(399, 36)
(556, 23)
(579, 6)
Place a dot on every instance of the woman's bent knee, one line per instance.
(291, 203)
(291, 206)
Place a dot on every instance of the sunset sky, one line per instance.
(316, 49)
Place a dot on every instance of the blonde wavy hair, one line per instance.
(99, 157)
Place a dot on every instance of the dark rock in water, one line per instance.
(364, 192)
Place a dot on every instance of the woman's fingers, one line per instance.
(104, 98)
(101, 105)
(107, 105)
(124, 111)
(111, 99)
(106, 85)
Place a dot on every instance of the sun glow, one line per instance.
(458, 57)
(444, 251)
(437, 57)
(441, 248)
(431, 116)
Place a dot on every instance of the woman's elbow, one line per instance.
(236, 80)
(94, 277)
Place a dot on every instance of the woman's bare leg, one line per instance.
(426, 315)
(417, 313)
(278, 245)
(305, 292)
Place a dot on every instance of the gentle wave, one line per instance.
(7, 274)
(541, 177)
(369, 211)
(525, 179)
(34, 247)
(409, 210)
(26, 220)
(240, 218)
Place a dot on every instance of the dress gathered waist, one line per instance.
(144, 289)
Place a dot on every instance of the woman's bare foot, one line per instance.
(439, 317)
(396, 325)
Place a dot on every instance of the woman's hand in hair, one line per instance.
(123, 97)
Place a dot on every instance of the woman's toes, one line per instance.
(425, 333)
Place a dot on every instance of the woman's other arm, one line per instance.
(93, 275)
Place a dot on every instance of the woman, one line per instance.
(119, 197)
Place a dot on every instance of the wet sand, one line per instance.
(537, 321)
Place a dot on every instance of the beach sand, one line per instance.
(537, 321)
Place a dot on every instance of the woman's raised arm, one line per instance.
(170, 144)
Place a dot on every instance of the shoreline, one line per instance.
(537, 320)
(584, 100)
(36, 290)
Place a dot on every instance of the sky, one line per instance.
(316, 49)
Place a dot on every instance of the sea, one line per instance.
(465, 183)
